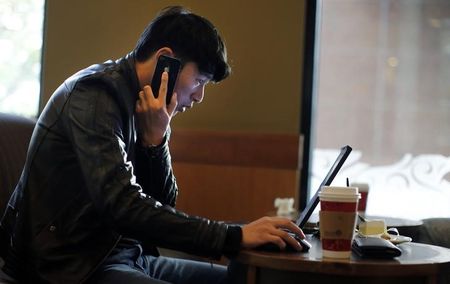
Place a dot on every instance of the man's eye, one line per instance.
(200, 82)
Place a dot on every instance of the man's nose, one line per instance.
(199, 94)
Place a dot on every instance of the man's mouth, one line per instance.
(185, 108)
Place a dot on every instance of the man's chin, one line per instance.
(178, 111)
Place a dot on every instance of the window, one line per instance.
(383, 87)
(21, 23)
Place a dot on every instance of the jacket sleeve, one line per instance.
(153, 169)
(94, 124)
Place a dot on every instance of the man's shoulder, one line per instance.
(105, 82)
(102, 73)
(106, 79)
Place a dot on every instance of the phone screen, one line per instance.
(172, 66)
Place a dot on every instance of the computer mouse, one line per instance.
(274, 248)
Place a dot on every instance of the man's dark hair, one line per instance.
(191, 37)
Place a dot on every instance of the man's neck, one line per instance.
(144, 71)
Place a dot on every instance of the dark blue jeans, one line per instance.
(128, 265)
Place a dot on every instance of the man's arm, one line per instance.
(153, 169)
(153, 163)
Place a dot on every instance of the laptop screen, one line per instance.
(304, 216)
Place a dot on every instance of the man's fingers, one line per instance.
(282, 239)
(286, 223)
(288, 239)
(292, 242)
(278, 241)
(147, 94)
(296, 230)
(138, 106)
(163, 88)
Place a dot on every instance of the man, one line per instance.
(97, 193)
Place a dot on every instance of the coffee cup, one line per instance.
(337, 220)
(363, 189)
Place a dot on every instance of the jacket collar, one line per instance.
(129, 64)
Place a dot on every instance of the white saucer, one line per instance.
(399, 239)
(395, 239)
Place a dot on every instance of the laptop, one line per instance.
(311, 206)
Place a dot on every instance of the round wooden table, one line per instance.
(419, 263)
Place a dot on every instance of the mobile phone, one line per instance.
(172, 66)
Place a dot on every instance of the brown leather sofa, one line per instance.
(15, 134)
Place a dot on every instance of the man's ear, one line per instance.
(145, 69)
(164, 51)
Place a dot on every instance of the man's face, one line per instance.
(190, 87)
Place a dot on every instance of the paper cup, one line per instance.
(363, 189)
(338, 210)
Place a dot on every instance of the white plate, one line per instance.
(399, 239)
(392, 238)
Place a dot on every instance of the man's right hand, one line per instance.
(153, 116)
(270, 229)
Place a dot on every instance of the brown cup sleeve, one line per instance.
(337, 225)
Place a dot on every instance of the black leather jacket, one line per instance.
(87, 183)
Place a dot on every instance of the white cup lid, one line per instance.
(362, 186)
(339, 192)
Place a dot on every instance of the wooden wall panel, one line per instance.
(261, 150)
(231, 193)
(234, 176)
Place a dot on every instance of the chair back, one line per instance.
(15, 134)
